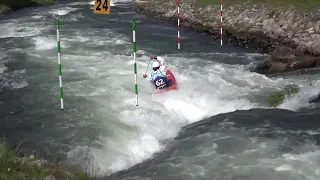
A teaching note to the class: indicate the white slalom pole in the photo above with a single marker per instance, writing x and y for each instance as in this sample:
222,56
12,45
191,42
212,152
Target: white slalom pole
178,24
59,63
221,1
134,58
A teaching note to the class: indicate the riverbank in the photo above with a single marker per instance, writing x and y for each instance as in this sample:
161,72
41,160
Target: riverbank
262,25
14,165
7,6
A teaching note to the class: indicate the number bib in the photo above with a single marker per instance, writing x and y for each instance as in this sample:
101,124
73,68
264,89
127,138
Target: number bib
160,82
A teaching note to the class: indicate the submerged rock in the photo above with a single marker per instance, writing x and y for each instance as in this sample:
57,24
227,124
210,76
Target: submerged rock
315,100
282,54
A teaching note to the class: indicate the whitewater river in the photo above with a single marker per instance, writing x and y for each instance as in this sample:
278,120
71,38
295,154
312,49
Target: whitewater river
167,137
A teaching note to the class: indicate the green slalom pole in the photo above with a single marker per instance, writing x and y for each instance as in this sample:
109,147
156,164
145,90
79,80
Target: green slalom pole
59,63
134,58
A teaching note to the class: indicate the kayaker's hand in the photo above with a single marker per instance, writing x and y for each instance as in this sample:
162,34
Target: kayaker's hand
144,76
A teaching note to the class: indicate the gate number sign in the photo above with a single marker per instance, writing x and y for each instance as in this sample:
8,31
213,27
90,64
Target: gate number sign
101,6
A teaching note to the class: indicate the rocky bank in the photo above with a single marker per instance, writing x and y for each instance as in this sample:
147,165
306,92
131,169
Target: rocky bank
290,37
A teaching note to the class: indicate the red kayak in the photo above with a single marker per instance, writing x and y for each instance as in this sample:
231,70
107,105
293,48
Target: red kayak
173,83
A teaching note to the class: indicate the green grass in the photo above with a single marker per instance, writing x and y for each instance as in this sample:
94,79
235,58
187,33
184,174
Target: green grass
278,97
4,9
300,5
11,168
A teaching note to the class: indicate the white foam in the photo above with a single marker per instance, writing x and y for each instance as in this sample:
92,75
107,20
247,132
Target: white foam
204,91
3,55
44,43
284,167
5,83
21,29
63,11
301,99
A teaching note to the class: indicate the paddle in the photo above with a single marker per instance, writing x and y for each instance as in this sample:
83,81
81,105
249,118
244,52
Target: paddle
148,67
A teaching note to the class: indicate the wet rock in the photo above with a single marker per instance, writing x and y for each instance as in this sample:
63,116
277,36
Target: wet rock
277,67
296,63
315,99
302,62
282,54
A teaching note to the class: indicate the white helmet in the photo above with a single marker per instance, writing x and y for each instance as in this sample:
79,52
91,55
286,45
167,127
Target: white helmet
155,64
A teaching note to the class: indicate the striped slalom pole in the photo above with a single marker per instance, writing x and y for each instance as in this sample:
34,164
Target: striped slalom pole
134,58
221,21
178,24
59,63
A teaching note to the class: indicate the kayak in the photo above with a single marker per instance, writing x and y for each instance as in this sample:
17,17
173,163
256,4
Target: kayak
172,83
172,80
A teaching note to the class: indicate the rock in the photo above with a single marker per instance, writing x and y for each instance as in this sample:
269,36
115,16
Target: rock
300,50
50,177
302,62
254,30
40,163
70,175
315,47
315,99
277,67
282,54
309,25
272,22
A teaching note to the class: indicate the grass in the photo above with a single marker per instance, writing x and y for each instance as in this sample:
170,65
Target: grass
300,5
4,9
13,168
278,97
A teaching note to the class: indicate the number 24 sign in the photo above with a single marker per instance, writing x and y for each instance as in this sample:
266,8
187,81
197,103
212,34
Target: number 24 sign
101,6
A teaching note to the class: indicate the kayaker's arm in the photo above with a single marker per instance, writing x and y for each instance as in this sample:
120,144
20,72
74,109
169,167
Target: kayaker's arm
161,61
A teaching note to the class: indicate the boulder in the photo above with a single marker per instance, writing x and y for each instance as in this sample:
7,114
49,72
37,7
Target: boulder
282,54
315,99
278,67
296,63
315,47
301,62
